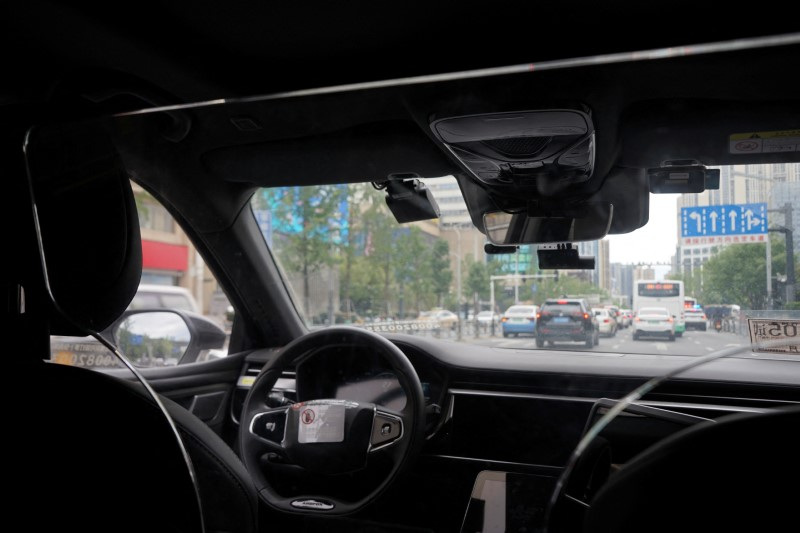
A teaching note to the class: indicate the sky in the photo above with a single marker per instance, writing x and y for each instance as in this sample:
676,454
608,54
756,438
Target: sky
653,243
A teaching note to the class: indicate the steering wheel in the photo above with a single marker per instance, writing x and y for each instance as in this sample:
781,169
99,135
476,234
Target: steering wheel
326,438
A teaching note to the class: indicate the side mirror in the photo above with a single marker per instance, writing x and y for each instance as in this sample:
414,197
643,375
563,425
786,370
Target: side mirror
165,337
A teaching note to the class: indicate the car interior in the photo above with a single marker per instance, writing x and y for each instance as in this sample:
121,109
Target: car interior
554,135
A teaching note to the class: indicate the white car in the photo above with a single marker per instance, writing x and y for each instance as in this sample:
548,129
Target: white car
696,319
627,317
485,318
606,325
653,322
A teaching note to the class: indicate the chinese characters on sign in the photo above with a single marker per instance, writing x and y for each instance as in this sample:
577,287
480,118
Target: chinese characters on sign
781,335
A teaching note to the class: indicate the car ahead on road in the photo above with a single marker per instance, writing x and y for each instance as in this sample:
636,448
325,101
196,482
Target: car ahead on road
653,322
627,317
696,319
566,319
616,314
606,325
519,319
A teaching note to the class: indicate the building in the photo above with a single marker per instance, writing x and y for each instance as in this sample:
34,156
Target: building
643,272
622,282
774,185
169,258
452,208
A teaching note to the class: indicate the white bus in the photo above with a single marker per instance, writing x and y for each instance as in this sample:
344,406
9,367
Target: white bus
668,293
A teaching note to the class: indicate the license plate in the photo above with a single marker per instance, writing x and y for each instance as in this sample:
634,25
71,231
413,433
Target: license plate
654,322
560,320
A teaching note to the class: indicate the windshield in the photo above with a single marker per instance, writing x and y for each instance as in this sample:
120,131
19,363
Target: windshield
348,261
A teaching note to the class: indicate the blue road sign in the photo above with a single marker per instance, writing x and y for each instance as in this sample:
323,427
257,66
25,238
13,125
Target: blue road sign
723,220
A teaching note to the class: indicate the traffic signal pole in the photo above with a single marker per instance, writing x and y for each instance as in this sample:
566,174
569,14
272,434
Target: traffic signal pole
790,278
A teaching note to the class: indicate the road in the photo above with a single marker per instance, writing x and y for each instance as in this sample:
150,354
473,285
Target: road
691,343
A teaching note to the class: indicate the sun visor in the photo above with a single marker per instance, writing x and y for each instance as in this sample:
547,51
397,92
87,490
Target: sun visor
711,133
364,153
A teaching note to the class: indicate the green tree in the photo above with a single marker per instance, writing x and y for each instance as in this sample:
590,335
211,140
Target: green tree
477,283
379,227
311,219
441,275
411,267
737,275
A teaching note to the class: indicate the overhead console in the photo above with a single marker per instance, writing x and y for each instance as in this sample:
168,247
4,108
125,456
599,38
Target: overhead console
528,150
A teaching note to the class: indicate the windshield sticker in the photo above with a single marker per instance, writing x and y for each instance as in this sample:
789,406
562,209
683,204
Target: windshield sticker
321,423
774,331
763,142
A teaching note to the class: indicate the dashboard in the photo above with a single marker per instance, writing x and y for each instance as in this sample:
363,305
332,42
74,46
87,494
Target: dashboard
523,412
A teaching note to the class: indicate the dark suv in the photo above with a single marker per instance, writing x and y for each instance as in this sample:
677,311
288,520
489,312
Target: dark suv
566,319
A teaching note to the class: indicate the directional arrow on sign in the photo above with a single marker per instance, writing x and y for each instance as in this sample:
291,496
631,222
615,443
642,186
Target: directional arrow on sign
733,214
697,218
751,220
713,216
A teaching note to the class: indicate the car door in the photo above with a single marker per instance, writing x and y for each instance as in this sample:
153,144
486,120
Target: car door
203,376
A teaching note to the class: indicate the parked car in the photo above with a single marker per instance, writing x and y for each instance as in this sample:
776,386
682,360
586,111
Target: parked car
519,319
606,325
487,318
654,322
442,318
566,319
150,296
696,319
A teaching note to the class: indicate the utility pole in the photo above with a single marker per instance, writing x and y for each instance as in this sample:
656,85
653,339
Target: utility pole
790,278
516,276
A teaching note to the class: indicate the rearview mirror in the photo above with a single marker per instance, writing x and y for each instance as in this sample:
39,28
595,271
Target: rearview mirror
505,229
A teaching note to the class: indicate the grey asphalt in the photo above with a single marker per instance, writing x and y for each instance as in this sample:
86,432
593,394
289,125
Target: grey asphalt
691,343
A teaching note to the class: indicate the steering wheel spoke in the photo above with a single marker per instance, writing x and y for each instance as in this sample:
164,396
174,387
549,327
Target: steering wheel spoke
269,429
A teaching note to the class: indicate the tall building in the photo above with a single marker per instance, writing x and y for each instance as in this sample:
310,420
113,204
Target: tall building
643,273
453,210
739,184
622,281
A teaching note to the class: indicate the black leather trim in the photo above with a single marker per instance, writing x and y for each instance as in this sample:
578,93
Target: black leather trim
223,511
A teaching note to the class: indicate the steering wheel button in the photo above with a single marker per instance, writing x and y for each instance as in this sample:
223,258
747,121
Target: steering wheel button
270,426
385,429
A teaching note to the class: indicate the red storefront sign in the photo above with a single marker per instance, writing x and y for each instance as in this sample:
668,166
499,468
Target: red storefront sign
164,256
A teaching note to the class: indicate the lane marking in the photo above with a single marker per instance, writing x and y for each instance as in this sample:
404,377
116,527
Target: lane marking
697,342
733,344
615,347
661,346
709,348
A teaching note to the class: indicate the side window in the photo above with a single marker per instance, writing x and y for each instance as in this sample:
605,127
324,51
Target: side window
178,296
